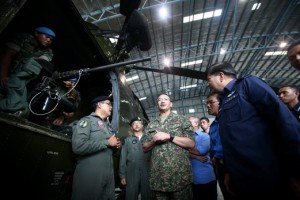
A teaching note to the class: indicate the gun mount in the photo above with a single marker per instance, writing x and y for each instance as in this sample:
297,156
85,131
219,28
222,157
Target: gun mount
48,94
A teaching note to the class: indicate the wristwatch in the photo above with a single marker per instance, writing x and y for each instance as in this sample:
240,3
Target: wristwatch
171,138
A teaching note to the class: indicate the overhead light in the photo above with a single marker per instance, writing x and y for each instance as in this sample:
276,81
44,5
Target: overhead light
132,78
256,6
167,62
191,110
143,98
282,44
275,53
204,15
163,13
174,111
188,86
223,51
191,63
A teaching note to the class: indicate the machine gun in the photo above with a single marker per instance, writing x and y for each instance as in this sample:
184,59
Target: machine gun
49,94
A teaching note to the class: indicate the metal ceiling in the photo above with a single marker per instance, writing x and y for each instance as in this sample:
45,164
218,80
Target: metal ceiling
245,34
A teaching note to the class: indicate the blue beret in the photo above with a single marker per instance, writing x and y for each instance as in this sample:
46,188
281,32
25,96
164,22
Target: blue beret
46,31
100,98
72,79
136,119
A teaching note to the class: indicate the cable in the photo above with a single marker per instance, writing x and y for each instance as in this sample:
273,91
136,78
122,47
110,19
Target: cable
47,89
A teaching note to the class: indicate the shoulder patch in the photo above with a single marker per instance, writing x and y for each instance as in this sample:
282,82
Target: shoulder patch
83,124
134,141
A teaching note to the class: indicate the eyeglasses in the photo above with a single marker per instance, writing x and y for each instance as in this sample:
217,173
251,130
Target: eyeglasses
108,103
211,102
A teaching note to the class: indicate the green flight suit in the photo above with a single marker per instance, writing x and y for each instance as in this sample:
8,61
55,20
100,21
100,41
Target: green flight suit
135,168
94,174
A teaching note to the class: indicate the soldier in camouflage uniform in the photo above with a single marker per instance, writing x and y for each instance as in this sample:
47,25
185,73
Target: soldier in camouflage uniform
134,167
19,64
169,137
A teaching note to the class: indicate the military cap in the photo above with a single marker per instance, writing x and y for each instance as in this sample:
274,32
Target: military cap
46,31
100,98
136,119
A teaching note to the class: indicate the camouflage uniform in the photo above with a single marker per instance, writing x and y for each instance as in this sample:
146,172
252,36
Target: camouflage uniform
135,168
23,69
170,165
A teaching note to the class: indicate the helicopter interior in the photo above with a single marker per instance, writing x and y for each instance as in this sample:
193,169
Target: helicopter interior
79,46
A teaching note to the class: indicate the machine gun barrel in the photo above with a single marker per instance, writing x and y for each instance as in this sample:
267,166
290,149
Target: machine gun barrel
101,68
86,71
